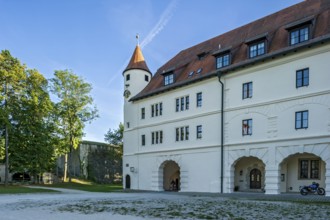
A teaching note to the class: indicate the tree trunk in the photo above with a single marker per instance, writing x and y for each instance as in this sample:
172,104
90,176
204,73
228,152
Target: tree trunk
65,167
70,164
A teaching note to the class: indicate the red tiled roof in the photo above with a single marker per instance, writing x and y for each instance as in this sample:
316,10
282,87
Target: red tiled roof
137,61
273,27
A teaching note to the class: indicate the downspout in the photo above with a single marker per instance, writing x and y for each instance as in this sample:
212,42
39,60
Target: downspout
222,132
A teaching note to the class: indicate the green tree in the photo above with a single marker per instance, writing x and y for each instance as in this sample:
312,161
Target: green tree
11,78
115,152
115,137
32,136
74,109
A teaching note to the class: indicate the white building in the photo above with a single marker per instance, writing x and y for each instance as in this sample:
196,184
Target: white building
248,110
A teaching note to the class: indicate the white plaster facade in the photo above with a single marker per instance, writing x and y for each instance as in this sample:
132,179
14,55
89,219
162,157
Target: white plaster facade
274,149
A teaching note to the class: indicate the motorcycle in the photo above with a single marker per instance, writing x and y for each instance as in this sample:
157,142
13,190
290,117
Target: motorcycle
313,188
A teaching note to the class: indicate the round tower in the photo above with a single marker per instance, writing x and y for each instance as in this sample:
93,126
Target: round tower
136,75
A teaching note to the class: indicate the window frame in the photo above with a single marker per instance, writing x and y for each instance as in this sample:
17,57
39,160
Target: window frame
304,78
299,29
199,132
143,139
257,50
301,119
247,131
182,133
248,93
199,99
222,62
143,113
308,172
168,79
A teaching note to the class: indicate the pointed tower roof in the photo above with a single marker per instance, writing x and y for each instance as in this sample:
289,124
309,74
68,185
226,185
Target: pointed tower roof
137,61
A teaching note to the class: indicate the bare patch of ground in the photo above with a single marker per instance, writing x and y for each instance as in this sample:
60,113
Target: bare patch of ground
83,205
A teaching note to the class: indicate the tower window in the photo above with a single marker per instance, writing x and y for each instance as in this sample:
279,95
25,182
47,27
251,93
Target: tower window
146,78
128,77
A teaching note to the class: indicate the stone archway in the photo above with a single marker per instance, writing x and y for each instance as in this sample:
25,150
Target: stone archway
318,151
301,169
249,174
171,176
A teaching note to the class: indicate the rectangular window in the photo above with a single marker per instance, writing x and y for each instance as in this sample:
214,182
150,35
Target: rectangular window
182,103
152,137
299,35
157,137
257,49
222,61
146,78
303,169
247,127
143,113
309,169
199,132
199,99
302,77
182,133
177,105
247,90
315,169
187,102
156,109
143,140
187,132
168,79
161,137
128,77
302,119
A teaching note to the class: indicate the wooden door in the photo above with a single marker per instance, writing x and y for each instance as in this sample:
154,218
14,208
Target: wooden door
255,179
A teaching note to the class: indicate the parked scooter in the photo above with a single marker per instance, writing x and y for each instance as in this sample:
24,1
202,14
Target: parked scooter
314,188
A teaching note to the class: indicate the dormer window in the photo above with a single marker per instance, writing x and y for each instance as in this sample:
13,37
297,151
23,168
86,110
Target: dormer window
257,49
257,45
168,79
222,60
300,31
299,35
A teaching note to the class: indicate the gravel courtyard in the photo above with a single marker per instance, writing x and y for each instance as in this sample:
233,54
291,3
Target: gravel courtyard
73,204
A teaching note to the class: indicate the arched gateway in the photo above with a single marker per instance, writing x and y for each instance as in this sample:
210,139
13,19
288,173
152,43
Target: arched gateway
170,175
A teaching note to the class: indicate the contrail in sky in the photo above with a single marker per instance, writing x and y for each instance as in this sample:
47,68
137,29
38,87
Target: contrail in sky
165,17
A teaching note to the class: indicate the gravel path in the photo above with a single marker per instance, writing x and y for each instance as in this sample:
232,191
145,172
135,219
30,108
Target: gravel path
74,204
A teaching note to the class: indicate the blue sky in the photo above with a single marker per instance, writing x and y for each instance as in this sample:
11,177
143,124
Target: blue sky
96,38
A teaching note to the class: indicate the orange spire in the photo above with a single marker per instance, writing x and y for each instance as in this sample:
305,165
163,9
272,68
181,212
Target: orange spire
137,61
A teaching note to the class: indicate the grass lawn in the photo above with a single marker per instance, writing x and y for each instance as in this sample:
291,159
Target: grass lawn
21,189
87,186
